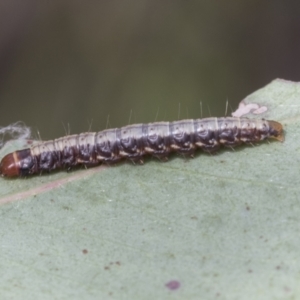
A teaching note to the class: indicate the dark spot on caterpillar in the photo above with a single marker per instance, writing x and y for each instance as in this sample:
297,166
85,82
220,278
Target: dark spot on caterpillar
84,251
133,142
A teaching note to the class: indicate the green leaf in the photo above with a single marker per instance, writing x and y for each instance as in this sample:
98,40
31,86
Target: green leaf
218,226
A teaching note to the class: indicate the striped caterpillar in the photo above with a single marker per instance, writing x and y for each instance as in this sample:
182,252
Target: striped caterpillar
135,141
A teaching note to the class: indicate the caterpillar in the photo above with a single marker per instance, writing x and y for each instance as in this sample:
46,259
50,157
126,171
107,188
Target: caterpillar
133,142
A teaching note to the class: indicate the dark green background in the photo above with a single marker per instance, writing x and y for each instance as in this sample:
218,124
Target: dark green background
76,62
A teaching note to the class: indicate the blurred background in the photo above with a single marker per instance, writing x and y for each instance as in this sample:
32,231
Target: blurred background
79,62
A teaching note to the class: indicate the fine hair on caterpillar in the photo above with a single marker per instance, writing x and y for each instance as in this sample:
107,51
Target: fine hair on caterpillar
135,141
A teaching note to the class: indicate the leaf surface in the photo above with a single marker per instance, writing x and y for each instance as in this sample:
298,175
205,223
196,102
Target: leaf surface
224,225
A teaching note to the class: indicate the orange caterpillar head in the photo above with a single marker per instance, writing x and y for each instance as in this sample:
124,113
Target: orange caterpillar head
18,163
9,166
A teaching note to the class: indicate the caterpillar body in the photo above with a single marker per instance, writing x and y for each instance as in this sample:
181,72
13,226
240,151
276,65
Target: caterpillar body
133,142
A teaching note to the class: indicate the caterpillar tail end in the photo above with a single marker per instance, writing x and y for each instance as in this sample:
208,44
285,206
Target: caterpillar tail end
276,131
